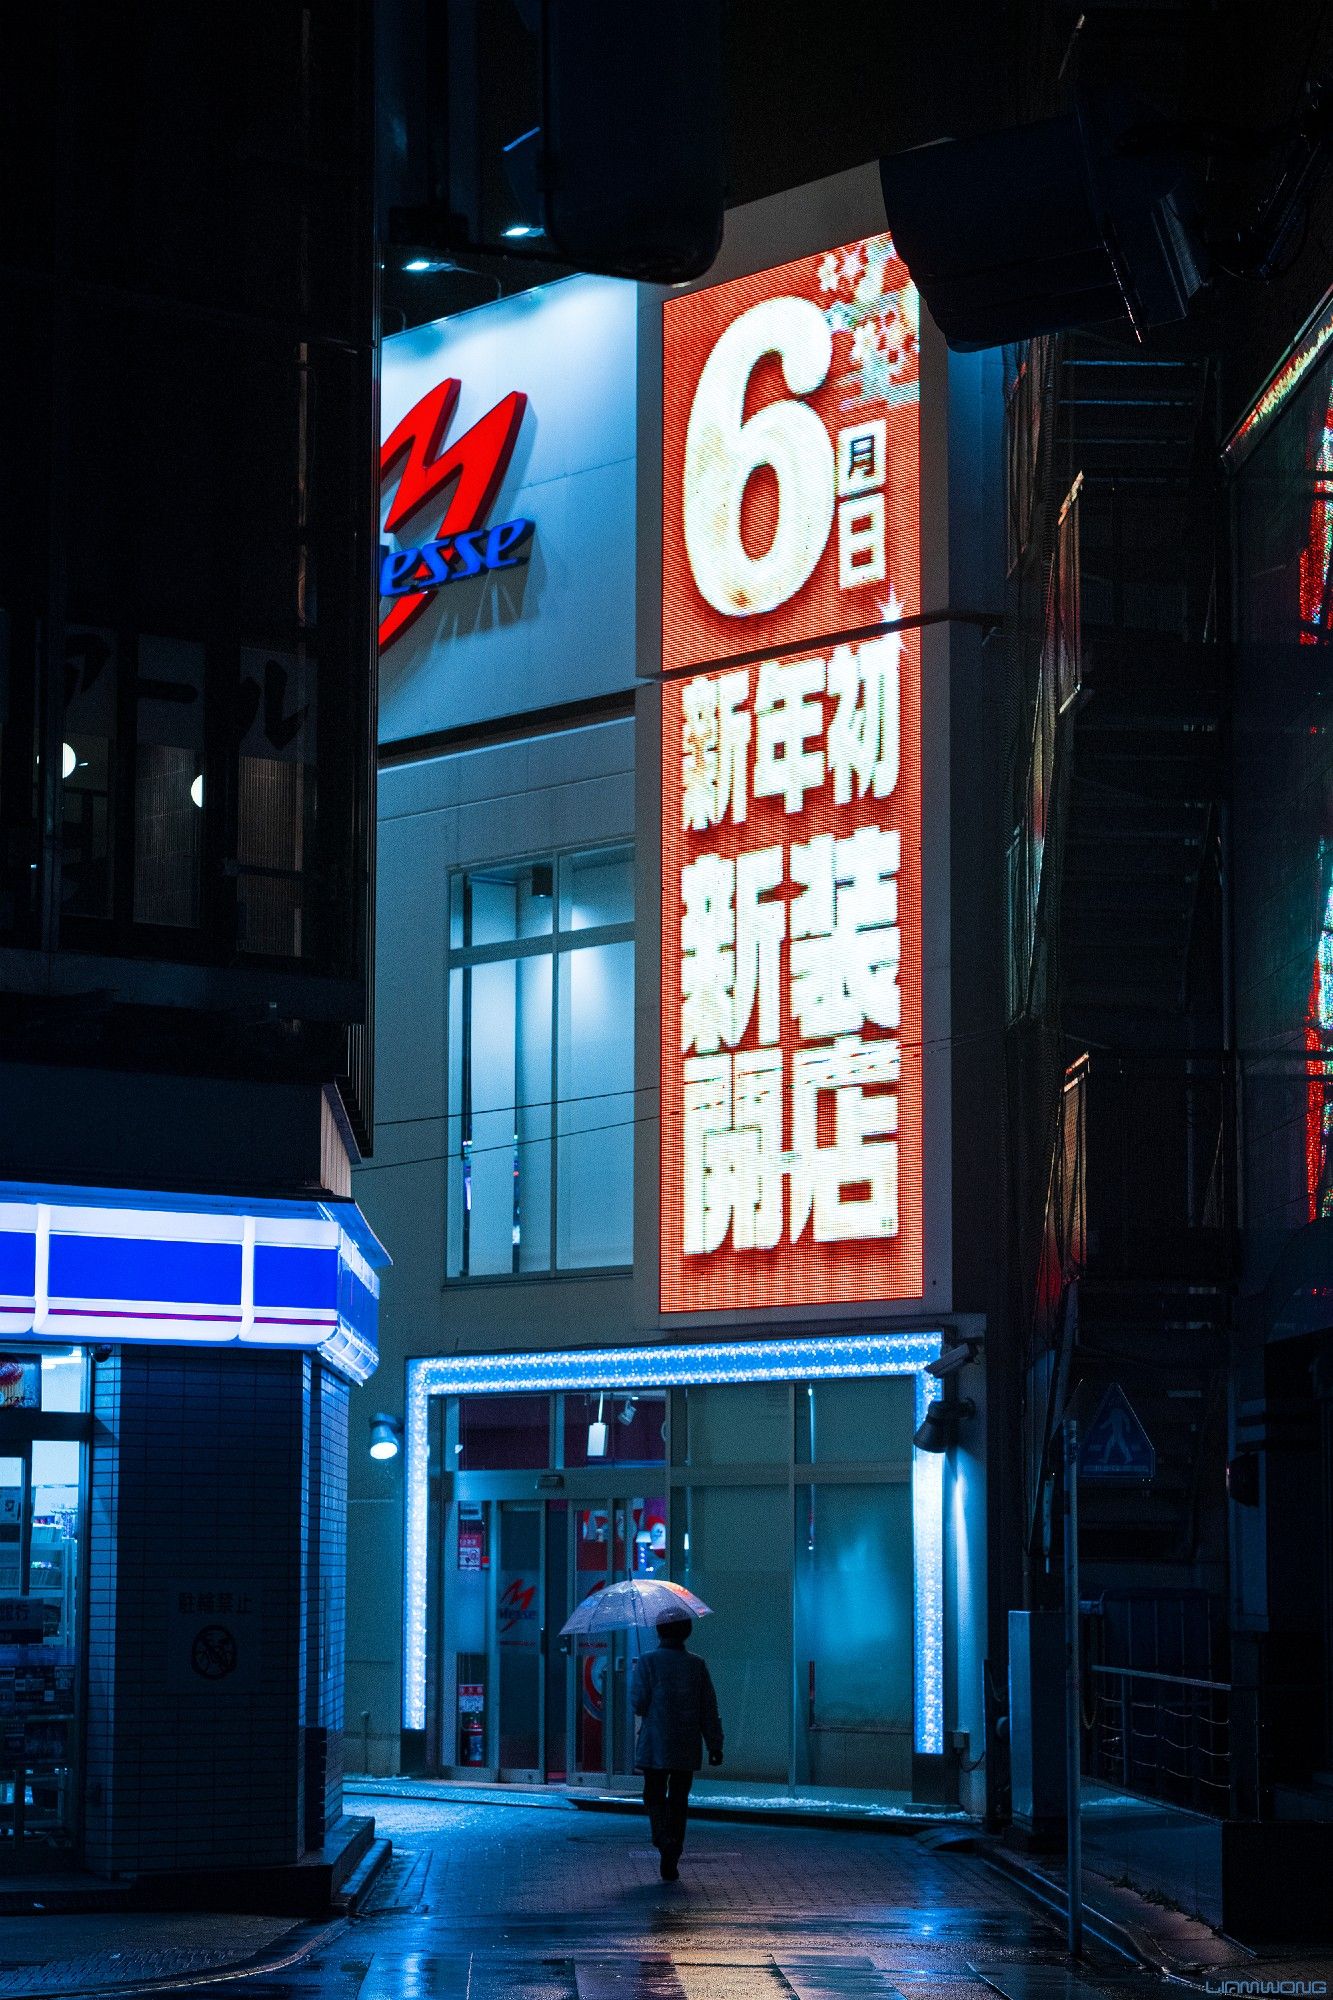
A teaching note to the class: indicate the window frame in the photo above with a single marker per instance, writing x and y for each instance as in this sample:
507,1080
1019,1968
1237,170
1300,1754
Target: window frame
551,945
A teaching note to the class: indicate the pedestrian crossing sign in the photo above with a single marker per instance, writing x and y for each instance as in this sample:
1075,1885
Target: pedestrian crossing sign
1116,1449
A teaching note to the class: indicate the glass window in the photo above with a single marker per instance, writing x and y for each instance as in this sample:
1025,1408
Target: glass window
597,889
541,1067
275,815
502,904
40,1579
864,1420
733,1423
503,1433
500,1154
739,1560
168,782
596,1106
88,751
853,1637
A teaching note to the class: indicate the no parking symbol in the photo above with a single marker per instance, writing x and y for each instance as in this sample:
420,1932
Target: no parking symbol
214,1638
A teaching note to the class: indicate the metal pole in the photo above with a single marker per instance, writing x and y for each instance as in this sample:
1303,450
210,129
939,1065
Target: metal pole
1073,1694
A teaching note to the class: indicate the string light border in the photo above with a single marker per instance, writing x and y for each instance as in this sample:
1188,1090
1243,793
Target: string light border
658,1367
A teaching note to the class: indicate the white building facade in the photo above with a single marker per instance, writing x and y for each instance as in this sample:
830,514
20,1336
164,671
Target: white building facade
687,1038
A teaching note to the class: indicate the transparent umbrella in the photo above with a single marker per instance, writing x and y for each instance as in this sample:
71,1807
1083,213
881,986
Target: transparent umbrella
635,1606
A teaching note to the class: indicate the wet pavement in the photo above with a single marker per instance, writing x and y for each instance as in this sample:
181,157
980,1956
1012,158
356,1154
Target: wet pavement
485,1901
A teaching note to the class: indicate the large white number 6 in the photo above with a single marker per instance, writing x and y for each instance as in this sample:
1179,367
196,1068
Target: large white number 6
722,454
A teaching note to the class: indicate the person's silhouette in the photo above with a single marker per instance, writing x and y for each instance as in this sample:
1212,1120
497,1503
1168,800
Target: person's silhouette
672,1691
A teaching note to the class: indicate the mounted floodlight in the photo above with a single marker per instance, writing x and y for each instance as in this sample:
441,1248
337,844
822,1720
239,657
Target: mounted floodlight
386,1437
628,1410
939,1427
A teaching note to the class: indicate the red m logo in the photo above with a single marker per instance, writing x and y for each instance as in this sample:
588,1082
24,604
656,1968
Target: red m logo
475,462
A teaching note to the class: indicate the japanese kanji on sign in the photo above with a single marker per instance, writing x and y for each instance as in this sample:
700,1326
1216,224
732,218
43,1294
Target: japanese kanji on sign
791,790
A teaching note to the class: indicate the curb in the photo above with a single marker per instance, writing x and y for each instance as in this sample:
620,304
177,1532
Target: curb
757,1813
189,1982
780,1816
352,1896
1107,1930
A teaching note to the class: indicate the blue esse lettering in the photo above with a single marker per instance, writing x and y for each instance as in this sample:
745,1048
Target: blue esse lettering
396,567
466,545
507,535
435,555
408,572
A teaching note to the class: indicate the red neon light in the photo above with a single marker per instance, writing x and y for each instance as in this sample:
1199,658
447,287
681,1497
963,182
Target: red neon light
477,461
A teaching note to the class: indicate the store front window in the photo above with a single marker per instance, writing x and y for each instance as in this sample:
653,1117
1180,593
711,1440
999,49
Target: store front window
43,1398
541,1065
787,1506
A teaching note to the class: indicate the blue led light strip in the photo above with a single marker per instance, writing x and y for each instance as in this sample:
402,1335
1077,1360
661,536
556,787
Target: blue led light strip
615,1368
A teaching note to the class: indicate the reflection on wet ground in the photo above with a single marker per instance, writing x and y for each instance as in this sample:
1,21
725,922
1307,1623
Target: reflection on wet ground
510,1903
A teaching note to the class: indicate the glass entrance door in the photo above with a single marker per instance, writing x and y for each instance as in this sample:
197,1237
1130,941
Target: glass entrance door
518,1702
614,1539
520,1630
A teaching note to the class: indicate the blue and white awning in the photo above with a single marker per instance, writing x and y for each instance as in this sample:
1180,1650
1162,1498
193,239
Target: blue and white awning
97,1264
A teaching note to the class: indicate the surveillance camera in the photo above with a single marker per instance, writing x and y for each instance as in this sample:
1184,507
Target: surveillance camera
953,1358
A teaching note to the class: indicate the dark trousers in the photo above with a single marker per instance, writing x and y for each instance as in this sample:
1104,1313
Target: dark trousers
667,1797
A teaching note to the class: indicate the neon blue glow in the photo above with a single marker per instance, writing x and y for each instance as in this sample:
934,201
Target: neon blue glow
91,1264
616,1368
928,1584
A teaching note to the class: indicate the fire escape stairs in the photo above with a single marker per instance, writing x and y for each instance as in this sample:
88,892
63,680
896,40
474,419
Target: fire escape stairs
1146,1301
1143,741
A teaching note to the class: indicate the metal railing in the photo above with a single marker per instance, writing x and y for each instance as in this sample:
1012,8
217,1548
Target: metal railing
1162,1736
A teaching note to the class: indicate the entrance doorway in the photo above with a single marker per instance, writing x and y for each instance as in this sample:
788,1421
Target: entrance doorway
798,1510
519,1703
42,1448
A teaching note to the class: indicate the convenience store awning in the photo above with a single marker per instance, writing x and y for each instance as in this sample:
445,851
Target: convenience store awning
106,1265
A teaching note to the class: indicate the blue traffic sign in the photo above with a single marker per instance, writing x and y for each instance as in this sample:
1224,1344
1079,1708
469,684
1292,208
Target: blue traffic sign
1116,1449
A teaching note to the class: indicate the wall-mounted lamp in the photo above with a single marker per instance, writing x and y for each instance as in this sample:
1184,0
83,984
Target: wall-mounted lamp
939,1426
386,1436
628,1410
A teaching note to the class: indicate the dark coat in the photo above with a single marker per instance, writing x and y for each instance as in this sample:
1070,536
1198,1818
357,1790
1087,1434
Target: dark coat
673,1691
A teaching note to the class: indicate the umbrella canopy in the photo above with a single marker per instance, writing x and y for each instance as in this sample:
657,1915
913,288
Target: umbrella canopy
637,1604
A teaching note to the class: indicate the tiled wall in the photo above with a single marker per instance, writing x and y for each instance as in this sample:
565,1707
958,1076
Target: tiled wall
218,1478
327,1598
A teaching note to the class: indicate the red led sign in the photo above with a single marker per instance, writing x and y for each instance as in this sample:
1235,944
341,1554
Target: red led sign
791,790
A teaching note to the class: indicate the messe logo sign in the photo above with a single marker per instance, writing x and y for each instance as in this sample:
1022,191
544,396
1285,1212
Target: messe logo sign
471,468
791,791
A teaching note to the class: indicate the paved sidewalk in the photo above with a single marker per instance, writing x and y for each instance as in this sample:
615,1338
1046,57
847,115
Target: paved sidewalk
538,1900
487,1900
88,1952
